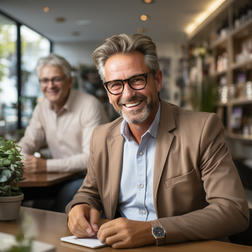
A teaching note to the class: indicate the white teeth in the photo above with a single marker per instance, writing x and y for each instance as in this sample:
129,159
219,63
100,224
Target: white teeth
132,104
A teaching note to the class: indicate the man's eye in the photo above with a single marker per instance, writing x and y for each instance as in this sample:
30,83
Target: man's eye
136,80
44,80
57,79
115,84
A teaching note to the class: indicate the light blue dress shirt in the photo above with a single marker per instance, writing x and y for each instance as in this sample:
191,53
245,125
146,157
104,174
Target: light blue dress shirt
136,189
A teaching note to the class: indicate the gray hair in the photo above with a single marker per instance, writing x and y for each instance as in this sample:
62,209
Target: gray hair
54,60
124,44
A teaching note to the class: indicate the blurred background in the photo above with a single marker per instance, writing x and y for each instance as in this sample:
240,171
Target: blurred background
204,49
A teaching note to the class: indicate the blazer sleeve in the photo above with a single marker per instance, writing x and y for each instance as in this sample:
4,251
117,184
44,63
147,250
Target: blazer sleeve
227,211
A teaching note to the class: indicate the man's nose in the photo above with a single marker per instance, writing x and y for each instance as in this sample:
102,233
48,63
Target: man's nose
128,91
50,84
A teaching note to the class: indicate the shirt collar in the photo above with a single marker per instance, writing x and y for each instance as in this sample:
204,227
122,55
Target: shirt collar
67,105
153,129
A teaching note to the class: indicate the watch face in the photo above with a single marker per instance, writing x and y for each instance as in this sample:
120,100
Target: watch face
158,232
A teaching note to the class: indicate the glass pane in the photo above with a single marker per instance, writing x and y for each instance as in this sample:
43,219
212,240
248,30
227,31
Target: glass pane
34,46
8,77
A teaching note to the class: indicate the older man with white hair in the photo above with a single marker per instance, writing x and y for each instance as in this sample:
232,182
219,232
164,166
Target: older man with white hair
64,120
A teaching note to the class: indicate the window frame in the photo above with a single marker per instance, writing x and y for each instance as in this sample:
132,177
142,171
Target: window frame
18,64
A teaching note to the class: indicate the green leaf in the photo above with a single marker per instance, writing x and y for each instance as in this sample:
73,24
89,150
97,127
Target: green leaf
19,164
11,157
5,188
12,167
15,188
6,173
3,178
6,162
8,152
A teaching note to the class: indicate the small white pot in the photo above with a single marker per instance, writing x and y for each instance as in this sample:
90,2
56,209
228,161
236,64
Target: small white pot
9,207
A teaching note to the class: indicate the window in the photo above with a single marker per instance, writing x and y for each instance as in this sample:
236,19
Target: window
8,76
34,46
20,49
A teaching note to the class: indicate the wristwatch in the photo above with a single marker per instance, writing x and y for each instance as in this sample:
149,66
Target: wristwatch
159,233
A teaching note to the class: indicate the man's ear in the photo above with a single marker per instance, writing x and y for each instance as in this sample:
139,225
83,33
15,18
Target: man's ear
158,79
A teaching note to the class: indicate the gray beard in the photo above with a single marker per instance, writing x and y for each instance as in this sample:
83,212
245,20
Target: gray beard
144,116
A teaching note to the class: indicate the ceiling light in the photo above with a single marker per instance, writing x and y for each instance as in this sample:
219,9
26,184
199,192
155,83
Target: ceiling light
141,30
46,9
148,1
83,22
60,20
144,17
191,27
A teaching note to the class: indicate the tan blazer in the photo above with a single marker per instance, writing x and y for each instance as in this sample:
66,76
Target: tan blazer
197,192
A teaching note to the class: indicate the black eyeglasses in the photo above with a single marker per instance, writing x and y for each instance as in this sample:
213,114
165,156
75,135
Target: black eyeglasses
57,80
136,82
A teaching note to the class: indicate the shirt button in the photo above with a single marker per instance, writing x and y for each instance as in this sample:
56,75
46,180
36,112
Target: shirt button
141,186
141,153
143,212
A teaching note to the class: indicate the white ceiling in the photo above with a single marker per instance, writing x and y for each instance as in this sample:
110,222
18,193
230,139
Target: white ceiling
168,18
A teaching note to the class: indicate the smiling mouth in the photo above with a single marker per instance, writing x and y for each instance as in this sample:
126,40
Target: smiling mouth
132,104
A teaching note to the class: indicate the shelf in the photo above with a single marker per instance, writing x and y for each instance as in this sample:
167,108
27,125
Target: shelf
241,64
216,74
219,42
240,101
221,104
240,31
235,44
239,137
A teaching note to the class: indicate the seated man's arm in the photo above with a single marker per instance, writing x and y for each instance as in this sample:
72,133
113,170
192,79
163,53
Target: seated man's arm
34,137
31,142
227,212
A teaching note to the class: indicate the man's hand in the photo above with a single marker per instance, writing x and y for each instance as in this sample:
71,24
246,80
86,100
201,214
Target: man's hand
34,164
124,233
83,221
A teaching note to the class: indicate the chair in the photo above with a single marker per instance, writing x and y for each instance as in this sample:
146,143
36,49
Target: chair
244,238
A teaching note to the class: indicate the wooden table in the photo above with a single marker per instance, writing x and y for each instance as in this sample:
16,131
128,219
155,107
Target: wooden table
51,226
46,178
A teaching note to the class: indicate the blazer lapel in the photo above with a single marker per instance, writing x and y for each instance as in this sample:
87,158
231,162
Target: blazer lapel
164,141
115,153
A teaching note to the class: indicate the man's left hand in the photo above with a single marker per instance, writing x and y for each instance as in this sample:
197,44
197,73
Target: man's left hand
34,164
124,233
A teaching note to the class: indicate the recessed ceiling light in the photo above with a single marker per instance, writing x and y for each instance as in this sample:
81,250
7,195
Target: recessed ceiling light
83,22
148,1
46,9
76,33
60,20
141,30
144,17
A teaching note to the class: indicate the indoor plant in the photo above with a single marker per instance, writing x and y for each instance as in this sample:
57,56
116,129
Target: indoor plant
11,172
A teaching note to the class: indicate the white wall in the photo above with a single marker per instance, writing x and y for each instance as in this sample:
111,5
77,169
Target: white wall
81,53
76,53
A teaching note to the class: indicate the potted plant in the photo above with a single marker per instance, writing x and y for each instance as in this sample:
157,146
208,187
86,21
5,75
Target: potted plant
11,172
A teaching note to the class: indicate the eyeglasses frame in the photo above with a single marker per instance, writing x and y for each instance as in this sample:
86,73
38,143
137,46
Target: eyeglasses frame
127,80
52,80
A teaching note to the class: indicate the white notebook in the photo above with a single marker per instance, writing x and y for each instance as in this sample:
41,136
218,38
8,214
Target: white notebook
7,241
86,242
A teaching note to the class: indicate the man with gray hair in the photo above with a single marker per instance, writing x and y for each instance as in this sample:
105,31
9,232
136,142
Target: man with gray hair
166,171
65,120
